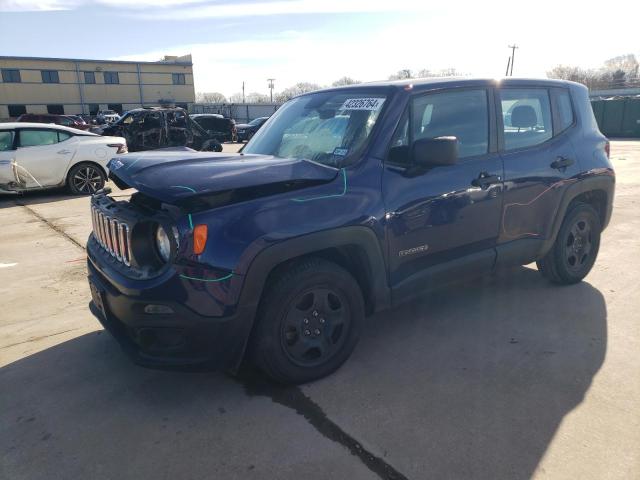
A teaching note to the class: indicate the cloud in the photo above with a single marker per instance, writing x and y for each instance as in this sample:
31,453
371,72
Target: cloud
53,5
37,5
291,7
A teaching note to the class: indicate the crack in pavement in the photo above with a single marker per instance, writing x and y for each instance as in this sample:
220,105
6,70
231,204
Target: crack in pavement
294,398
35,339
51,225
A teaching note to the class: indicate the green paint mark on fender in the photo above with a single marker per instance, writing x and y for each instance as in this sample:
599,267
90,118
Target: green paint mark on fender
344,191
221,279
182,186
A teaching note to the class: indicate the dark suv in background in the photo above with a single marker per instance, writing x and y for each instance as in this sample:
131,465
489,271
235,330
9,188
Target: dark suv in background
350,201
248,130
219,127
159,127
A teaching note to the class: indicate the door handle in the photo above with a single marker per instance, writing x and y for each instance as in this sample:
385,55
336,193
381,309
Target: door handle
561,162
63,152
484,180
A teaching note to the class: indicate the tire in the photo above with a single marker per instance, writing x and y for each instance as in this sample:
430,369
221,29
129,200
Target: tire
575,250
85,179
308,322
212,145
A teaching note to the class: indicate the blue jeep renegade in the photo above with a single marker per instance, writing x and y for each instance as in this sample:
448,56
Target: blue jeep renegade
348,201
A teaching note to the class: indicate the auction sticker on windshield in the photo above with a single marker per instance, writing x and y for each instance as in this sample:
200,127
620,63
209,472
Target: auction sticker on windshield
370,104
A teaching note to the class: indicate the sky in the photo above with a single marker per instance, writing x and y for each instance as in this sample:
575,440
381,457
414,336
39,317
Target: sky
320,41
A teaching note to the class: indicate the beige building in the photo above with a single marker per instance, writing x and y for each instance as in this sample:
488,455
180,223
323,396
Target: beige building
74,86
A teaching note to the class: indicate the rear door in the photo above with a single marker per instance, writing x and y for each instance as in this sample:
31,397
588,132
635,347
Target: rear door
535,126
43,155
445,218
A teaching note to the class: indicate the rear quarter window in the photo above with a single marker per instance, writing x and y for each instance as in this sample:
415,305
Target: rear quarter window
565,110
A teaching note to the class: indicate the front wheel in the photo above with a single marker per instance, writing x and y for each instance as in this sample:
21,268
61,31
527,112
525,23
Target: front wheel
575,250
308,322
85,179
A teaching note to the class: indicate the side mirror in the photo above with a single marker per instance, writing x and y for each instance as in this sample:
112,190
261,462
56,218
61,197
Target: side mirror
432,152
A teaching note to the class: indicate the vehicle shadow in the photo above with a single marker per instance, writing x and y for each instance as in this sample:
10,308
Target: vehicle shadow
35,197
469,382
473,380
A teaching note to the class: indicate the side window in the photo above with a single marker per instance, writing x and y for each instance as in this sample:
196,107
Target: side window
62,136
463,114
526,115
565,112
35,138
6,140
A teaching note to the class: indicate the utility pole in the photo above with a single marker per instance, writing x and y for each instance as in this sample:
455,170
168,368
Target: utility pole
271,80
506,74
243,92
513,57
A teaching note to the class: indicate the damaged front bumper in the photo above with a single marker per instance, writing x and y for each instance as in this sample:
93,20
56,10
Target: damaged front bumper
164,333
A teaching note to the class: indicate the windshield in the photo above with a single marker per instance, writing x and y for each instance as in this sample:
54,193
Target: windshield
325,127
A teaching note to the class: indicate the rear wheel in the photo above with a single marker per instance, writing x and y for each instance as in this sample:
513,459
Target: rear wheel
85,179
576,247
308,322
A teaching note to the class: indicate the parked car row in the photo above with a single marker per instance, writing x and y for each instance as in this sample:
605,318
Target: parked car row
47,150
35,156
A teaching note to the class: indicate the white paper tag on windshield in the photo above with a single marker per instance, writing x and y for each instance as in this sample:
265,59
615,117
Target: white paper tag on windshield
371,104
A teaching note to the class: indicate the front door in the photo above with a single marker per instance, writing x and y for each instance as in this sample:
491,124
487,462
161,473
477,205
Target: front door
43,155
444,218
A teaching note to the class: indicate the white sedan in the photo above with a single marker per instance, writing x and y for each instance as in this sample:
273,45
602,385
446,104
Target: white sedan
38,155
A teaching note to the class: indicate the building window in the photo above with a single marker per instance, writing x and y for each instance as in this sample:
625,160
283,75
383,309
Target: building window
116,107
55,109
17,110
89,77
50,76
11,75
111,78
94,108
178,78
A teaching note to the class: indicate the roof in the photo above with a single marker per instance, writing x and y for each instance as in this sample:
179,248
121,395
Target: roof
435,82
56,59
12,125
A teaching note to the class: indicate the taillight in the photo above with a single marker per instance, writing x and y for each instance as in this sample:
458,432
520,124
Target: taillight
607,149
121,148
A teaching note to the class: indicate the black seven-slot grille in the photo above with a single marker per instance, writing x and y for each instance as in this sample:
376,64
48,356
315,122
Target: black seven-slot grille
112,235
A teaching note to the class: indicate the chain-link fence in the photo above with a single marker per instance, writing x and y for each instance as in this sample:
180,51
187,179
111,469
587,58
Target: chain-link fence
240,112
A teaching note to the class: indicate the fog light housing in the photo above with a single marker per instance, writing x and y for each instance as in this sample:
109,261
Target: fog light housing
154,309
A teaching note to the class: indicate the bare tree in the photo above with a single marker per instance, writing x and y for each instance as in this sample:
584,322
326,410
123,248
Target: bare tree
445,72
236,98
297,89
255,97
402,75
210,97
341,82
617,72
628,64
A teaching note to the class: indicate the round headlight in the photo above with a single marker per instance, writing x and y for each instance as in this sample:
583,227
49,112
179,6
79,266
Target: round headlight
163,244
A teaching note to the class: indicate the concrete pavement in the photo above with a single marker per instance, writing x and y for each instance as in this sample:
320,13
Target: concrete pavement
506,377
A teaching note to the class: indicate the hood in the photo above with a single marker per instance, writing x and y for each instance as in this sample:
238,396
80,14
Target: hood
180,177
